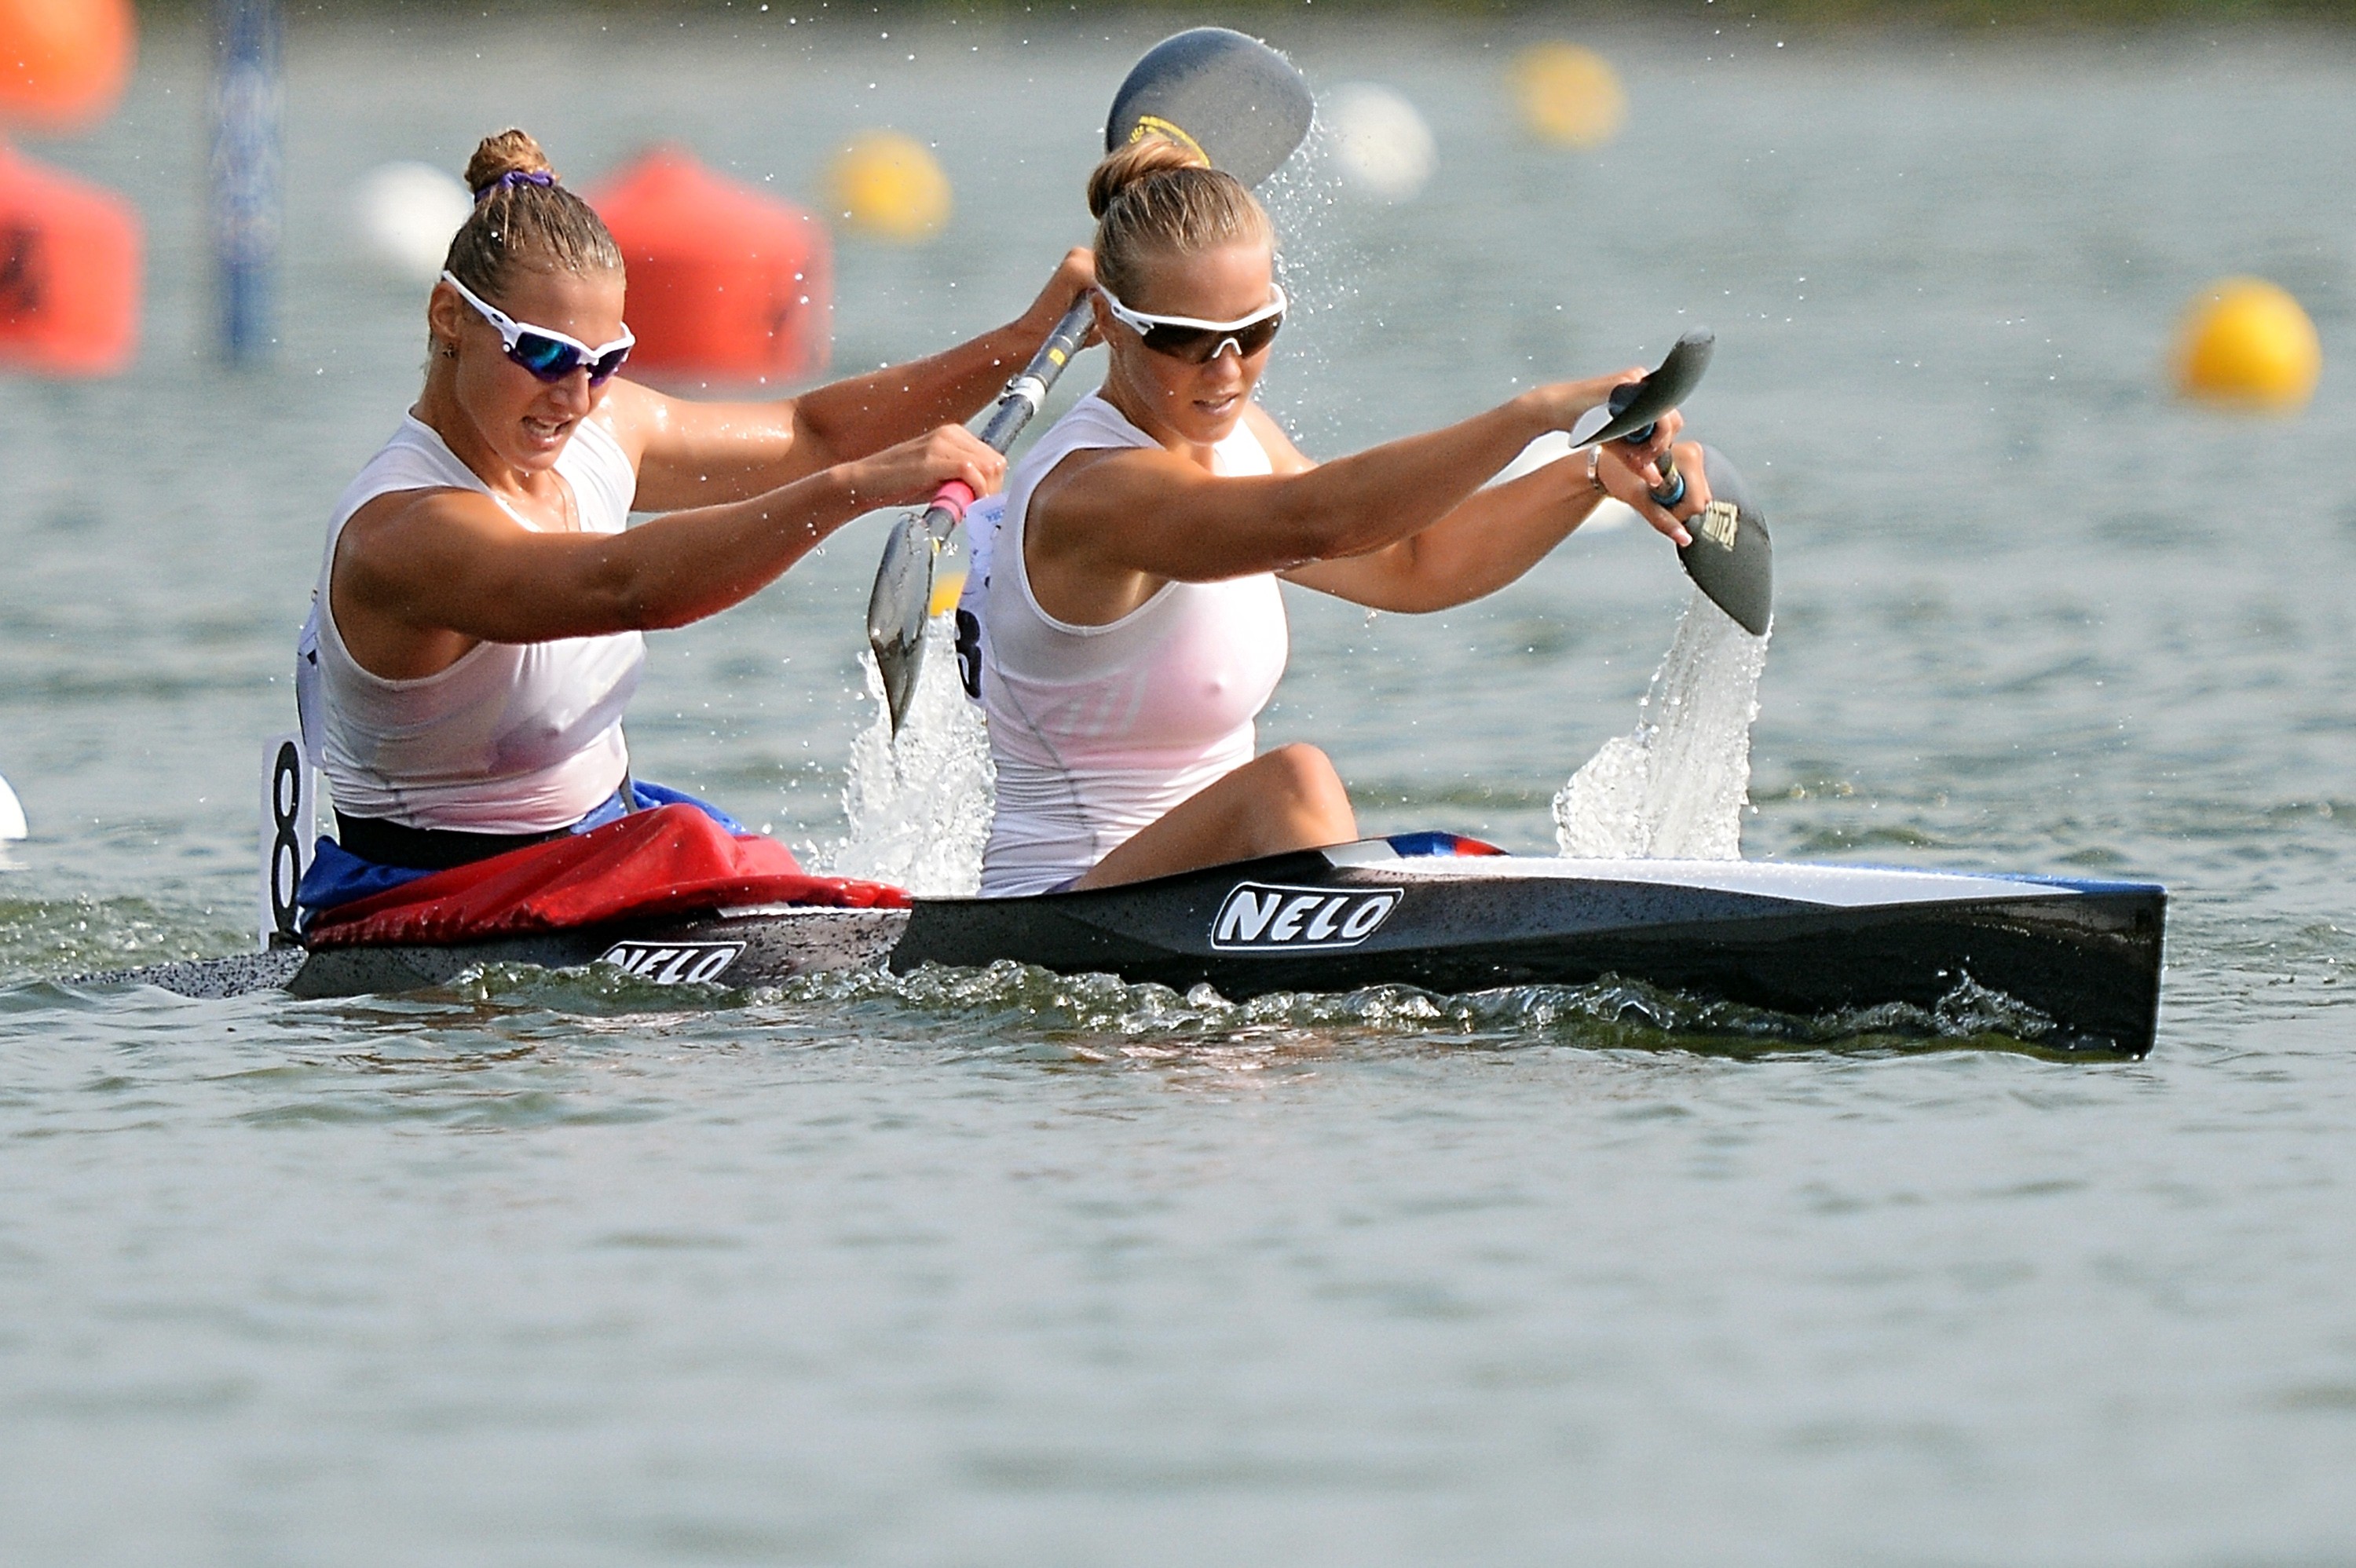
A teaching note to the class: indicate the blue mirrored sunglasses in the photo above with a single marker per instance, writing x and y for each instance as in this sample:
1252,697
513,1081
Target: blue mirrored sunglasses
551,356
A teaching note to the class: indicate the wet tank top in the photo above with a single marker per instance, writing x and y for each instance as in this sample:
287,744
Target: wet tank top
513,738
1098,730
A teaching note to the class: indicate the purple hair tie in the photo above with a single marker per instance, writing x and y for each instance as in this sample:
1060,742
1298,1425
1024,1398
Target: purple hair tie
511,179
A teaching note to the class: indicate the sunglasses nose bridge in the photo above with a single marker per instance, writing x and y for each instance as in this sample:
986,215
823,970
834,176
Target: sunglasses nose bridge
573,391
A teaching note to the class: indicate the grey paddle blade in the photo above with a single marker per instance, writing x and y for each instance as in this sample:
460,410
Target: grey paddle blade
1231,97
897,607
1641,403
1731,558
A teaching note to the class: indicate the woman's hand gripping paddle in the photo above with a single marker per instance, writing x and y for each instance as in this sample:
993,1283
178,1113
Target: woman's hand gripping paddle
902,600
1232,99
1731,558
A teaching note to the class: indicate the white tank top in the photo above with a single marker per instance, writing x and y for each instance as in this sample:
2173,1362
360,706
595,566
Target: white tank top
1098,730
513,738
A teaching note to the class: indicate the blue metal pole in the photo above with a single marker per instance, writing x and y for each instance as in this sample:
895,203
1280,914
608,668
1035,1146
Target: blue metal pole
248,92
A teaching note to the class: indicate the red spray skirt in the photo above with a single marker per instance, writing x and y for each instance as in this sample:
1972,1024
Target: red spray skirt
672,860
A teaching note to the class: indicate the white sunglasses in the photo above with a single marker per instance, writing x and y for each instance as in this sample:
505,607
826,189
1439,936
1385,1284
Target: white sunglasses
549,354
1200,342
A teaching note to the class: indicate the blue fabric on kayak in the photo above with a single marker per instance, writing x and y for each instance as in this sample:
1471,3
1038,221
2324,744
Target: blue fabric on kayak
1411,845
646,797
337,877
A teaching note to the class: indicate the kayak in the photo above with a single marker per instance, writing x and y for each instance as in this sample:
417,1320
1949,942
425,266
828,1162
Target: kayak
2078,960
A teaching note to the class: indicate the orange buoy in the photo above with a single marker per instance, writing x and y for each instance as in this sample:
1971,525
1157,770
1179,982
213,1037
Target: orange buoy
727,283
63,63
69,272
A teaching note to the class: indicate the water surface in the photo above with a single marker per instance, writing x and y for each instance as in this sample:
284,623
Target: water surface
995,1268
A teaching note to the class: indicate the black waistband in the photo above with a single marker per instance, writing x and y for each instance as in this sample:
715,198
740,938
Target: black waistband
428,849
439,849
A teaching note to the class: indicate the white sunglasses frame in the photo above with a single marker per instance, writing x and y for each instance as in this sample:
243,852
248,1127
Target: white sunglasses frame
511,331
1140,321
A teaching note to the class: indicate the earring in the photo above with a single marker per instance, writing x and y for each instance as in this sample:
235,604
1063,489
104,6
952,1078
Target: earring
449,351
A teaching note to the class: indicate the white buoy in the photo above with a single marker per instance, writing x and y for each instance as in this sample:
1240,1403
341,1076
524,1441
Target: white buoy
404,214
12,815
1553,447
1381,145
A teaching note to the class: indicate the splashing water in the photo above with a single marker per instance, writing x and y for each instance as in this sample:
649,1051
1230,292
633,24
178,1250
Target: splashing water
1675,789
920,803
1316,268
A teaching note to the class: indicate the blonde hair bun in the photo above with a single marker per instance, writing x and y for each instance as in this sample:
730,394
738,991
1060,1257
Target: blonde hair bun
511,152
1158,197
523,217
1148,155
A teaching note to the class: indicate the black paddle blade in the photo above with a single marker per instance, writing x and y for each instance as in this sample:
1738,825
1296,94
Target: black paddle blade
897,607
1641,403
1731,558
1231,97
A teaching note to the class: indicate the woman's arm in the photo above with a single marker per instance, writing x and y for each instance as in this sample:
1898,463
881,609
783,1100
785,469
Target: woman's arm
1153,513
420,574
691,454
1499,534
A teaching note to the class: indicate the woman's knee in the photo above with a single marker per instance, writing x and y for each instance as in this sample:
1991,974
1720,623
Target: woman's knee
1306,778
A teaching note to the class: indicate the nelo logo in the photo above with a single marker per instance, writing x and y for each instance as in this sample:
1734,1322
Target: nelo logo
1719,520
1257,917
673,963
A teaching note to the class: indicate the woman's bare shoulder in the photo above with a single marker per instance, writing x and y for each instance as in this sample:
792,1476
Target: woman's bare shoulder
388,521
1283,455
632,415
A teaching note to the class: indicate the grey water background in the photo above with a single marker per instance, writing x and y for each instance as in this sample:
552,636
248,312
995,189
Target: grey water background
995,1268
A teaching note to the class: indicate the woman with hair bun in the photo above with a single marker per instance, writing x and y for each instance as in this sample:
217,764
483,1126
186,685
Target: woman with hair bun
476,634
1130,624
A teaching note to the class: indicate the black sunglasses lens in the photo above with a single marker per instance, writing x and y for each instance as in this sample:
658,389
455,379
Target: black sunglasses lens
602,371
1180,342
1198,344
1257,335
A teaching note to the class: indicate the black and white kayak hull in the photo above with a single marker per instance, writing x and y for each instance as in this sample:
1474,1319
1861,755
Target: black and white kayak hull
1795,938
1806,939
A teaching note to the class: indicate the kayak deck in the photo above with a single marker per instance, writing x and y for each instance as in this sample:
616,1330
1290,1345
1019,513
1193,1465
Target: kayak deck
1803,939
1791,938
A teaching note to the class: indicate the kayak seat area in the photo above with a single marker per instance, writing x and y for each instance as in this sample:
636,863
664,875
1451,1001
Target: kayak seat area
672,860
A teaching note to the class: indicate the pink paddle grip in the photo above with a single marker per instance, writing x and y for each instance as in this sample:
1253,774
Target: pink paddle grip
954,496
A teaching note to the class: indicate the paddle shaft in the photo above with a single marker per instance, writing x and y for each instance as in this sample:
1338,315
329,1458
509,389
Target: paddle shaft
1016,408
1673,483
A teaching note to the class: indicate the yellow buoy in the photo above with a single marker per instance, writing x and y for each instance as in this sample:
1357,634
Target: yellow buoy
1567,95
2246,342
887,185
